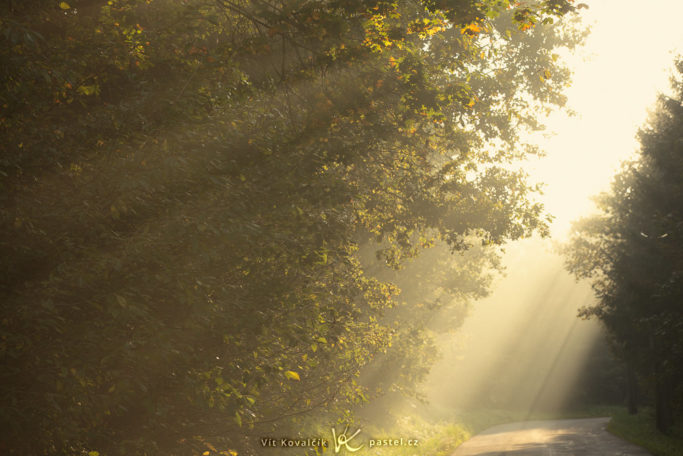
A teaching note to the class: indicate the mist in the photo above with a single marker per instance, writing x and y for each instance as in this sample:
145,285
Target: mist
522,347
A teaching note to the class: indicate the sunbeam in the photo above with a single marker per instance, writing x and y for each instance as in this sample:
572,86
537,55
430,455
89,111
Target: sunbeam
523,346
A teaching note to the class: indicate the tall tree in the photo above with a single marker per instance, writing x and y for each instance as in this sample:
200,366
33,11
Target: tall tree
185,186
633,253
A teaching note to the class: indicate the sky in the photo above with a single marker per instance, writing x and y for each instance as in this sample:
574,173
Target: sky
625,62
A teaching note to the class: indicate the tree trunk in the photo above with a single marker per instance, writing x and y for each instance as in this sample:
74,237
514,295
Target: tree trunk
663,399
632,388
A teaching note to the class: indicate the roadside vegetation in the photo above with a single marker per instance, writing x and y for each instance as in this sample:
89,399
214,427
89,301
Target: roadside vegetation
641,429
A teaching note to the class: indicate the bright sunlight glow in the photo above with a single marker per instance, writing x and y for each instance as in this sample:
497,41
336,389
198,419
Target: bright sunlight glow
626,61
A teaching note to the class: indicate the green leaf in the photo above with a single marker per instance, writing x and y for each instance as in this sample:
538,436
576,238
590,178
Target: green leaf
89,89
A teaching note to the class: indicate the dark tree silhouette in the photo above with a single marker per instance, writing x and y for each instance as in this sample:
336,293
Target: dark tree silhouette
633,253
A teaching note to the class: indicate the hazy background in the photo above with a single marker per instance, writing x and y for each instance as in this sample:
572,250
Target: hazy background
523,346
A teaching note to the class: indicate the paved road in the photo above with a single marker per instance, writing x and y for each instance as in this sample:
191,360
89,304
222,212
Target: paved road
584,437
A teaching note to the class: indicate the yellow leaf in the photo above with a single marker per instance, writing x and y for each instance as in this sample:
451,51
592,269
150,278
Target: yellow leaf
292,375
65,6
206,453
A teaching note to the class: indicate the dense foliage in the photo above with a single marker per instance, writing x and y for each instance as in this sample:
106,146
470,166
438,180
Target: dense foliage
632,251
186,184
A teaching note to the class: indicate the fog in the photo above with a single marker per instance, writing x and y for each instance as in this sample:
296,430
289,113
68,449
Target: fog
519,353
522,347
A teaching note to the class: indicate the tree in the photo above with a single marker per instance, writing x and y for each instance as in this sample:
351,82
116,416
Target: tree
185,186
632,252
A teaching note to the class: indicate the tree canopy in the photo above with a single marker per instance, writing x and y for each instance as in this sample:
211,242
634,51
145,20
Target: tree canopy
186,186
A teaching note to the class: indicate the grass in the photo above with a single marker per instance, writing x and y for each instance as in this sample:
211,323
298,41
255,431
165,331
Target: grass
640,429
435,438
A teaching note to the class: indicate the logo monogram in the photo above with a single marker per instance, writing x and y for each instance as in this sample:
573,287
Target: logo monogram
343,441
